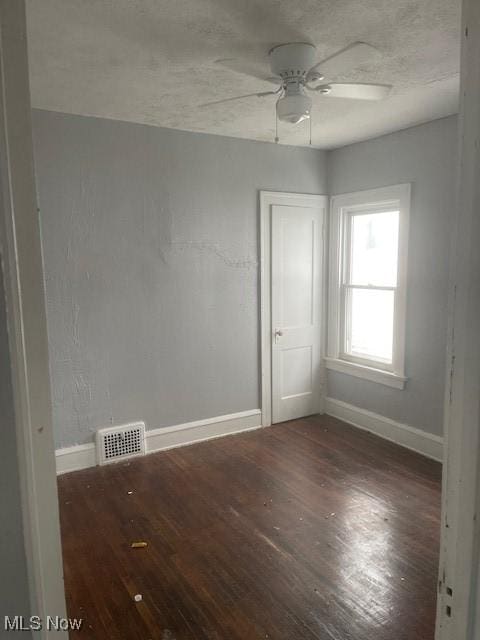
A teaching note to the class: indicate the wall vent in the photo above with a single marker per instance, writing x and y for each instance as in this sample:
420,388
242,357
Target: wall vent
119,443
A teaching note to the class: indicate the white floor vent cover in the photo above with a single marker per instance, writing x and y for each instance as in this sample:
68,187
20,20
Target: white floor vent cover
118,443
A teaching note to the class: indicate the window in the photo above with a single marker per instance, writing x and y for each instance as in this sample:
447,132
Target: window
368,251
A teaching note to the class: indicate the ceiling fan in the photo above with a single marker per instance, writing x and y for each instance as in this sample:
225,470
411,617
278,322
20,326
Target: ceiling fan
296,73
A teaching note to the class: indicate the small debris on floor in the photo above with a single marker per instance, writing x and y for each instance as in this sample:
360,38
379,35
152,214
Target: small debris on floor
402,579
332,514
129,493
300,518
277,528
138,597
139,545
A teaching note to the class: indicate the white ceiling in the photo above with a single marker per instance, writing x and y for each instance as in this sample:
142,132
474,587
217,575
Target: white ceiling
153,62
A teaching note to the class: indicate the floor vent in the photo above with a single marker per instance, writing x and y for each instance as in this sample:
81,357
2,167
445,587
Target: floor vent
118,443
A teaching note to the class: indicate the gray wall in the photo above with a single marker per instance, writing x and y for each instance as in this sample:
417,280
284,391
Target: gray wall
14,596
151,259
424,156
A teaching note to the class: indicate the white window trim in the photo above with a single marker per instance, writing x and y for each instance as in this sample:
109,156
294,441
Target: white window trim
395,195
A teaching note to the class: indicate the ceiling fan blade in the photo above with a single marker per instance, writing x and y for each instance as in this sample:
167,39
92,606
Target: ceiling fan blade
348,58
262,94
354,91
248,68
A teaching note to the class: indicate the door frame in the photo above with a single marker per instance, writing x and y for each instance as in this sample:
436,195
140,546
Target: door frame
458,602
20,241
267,199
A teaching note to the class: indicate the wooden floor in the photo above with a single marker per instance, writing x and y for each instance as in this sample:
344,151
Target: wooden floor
307,530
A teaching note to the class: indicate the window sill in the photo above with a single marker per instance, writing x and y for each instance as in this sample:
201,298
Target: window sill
367,373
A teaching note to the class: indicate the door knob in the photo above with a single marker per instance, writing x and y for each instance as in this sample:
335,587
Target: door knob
278,333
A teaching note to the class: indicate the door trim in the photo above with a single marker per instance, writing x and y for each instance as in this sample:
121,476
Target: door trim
267,199
26,325
458,603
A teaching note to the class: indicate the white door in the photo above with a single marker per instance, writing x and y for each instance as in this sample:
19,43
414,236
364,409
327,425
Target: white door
296,286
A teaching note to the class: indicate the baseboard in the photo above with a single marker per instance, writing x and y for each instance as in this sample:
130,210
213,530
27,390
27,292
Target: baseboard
80,456
190,432
420,441
84,456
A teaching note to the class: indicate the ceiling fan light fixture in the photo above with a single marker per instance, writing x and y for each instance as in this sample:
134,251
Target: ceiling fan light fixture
294,108
295,72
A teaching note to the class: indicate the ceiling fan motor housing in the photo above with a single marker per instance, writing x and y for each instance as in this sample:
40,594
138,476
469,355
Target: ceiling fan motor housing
292,60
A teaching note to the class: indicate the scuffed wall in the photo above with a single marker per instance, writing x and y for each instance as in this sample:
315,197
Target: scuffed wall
151,251
426,157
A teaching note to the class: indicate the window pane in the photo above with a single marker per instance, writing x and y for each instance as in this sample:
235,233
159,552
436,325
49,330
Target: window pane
374,247
370,323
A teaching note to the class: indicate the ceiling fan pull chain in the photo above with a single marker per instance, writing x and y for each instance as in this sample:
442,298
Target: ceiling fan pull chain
276,128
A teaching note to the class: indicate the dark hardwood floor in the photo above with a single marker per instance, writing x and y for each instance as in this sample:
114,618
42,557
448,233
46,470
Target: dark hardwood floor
307,530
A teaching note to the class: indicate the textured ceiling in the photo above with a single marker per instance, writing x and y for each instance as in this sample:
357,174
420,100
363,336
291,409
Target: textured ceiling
153,62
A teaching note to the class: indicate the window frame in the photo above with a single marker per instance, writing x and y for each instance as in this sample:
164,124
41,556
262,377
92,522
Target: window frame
342,209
